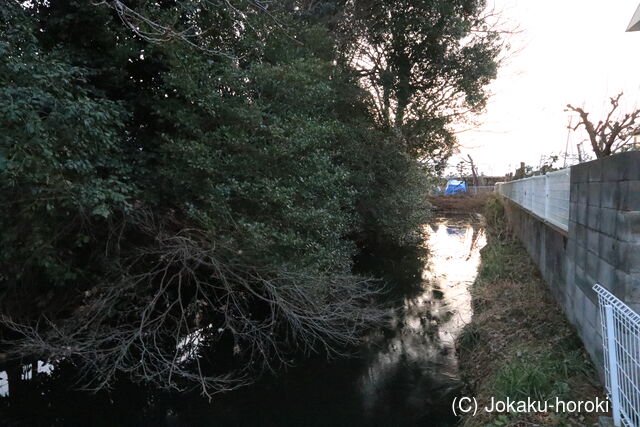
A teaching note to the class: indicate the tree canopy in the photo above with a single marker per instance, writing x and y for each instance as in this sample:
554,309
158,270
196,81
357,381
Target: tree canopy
184,185
426,63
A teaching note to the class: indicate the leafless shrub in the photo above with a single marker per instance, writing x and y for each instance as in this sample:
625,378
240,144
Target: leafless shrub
185,303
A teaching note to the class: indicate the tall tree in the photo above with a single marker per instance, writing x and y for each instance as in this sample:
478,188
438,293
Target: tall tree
427,63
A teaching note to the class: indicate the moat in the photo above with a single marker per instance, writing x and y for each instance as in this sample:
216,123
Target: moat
405,375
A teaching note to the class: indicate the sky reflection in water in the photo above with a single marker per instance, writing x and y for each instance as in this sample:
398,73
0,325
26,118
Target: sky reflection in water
418,361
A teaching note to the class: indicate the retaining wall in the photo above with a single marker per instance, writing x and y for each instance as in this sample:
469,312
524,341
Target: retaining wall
602,244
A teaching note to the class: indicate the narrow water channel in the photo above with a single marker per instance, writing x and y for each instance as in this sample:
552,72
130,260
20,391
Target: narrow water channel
406,375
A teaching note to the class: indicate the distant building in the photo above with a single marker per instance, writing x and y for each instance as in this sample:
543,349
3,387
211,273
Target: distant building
636,140
634,25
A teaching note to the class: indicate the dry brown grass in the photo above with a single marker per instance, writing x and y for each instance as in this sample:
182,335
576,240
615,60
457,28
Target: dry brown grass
519,342
459,203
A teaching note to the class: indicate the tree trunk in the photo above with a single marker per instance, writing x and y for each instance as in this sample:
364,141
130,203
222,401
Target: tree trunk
474,173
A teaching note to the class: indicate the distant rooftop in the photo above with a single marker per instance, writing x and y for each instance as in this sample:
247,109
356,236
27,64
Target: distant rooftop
634,25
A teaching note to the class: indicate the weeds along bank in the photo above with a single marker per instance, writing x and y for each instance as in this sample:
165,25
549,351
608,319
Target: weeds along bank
518,344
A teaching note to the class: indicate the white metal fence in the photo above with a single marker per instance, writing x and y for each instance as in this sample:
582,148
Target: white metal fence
547,196
621,343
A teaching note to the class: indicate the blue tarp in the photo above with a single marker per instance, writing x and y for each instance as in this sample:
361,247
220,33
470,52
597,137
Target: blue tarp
456,230
454,187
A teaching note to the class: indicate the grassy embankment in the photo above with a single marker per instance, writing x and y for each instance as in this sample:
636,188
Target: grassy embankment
519,344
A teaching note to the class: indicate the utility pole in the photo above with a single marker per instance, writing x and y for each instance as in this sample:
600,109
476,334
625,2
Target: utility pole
579,147
566,146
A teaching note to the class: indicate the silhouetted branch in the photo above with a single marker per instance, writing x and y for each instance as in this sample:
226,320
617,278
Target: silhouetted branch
610,135
187,303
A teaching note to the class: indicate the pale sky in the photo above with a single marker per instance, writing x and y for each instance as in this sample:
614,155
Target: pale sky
570,51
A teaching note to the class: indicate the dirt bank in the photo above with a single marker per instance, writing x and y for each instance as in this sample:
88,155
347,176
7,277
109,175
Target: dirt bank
518,343
459,203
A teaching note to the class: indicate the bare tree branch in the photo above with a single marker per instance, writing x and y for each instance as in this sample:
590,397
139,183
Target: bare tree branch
190,313
610,135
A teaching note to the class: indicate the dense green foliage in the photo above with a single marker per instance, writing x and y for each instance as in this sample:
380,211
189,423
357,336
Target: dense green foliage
213,168
60,158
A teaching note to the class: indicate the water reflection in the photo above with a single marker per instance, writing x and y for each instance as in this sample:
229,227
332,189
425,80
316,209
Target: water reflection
415,369
405,375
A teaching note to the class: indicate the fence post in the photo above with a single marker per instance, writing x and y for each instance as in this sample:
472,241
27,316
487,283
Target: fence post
546,197
613,364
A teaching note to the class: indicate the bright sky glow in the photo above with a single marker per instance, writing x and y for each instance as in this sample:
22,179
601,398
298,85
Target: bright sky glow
570,51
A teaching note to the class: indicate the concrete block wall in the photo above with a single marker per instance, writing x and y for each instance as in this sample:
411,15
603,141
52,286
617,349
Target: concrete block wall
545,244
601,246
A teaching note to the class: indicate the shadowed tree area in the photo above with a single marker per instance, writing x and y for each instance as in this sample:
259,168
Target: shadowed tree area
184,185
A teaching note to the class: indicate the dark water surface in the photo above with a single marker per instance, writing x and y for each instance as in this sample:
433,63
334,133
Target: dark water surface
406,375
